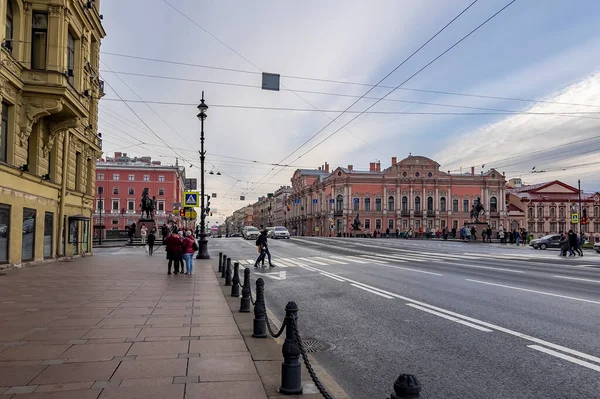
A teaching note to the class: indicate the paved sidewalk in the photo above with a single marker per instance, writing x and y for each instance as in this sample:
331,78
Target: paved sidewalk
117,326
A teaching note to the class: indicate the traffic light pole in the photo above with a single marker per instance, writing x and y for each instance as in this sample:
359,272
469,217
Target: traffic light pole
580,210
203,243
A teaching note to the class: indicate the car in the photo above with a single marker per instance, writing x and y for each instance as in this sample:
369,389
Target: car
269,231
549,241
597,247
235,235
250,233
280,232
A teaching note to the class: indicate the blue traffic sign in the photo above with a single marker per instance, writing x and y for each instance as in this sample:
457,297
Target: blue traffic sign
190,199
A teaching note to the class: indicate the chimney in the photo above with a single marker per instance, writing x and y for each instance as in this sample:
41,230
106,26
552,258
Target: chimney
372,167
350,168
394,161
378,167
326,167
472,170
319,168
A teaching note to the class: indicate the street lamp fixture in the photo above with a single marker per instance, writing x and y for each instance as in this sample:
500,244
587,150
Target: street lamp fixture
203,243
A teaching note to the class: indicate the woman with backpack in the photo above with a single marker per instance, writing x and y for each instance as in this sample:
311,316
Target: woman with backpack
189,247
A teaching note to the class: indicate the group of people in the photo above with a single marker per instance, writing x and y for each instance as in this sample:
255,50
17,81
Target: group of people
180,247
572,243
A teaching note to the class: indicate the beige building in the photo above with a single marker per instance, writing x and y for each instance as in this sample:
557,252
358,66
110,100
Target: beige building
49,142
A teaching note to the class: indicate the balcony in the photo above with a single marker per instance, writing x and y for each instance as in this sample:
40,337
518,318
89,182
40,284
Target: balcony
430,213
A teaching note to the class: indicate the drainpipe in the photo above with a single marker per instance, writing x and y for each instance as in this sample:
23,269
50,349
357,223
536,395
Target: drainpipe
63,193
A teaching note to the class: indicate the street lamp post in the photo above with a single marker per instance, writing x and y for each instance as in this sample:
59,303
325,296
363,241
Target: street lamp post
203,243
100,206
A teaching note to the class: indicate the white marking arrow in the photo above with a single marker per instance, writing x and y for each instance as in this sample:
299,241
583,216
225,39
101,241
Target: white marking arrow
277,276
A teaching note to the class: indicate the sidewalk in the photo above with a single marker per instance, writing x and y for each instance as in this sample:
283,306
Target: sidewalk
117,326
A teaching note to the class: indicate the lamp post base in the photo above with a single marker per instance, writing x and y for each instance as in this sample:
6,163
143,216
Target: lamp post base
202,247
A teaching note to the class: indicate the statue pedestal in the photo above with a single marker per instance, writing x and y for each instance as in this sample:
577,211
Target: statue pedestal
149,223
358,233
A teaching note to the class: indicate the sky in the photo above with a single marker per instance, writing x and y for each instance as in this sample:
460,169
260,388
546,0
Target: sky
521,94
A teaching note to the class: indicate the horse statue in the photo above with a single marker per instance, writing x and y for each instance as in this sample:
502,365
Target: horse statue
476,210
356,224
147,204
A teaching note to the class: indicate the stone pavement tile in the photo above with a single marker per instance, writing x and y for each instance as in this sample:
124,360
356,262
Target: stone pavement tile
20,389
76,372
239,390
218,346
210,320
57,335
143,382
151,368
164,332
100,304
78,394
157,348
73,386
210,312
138,304
95,352
33,352
223,368
15,334
136,312
18,375
76,322
174,391
157,357
172,312
168,321
90,312
227,330
174,305
112,333
122,321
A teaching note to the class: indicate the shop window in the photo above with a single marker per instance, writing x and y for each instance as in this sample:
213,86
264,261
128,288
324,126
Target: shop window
48,234
4,232
28,240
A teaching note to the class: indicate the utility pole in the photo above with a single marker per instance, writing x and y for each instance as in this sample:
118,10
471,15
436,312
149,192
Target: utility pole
100,206
203,243
579,219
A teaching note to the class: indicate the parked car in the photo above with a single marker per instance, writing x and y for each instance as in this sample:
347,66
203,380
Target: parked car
280,232
597,247
250,233
549,241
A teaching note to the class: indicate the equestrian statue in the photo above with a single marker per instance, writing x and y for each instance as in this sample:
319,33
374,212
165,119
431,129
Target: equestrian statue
148,204
477,210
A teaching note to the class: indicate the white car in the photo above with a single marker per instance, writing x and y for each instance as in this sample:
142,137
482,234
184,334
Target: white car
280,232
250,233
597,247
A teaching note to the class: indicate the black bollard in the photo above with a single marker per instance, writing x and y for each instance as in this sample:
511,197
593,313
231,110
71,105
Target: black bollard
220,262
223,266
260,323
291,368
246,293
406,387
228,272
235,288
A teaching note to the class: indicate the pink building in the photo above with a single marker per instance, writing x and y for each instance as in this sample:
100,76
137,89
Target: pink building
410,194
123,180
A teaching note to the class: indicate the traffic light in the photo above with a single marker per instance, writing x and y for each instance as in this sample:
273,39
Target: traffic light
289,208
182,212
211,214
583,220
207,207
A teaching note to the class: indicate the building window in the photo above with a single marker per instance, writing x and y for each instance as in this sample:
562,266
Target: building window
493,204
367,204
429,204
71,58
100,176
367,224
553,227
131,177
115,190
596,227
390,203
378,204
146,177
596,213
161,206
28,243
378,224
404,204
584,213
100,204
430,225
39,40
531,212
540,212
48,234
78,171
115,205
130,205
455,224
131,191
356,204
417,224
8,34
466,205
161,178
443,224
562,227
417,204
454,205
4,132
443,204
552,213
404,224
561,213
531,227
115,176
391,224
161,191
339,203
115,221
540,227
4,232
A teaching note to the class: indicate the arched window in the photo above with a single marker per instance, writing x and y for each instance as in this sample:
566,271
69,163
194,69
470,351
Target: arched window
552,211
390,203
8,36
417,204
584,213
429,204
561,212
378,204
404,204
367,204
531,213
596,212
493,204
339,203
540,212
454,205
356,204
443,204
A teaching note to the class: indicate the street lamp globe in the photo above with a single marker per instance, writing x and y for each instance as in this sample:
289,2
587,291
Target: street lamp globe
202,108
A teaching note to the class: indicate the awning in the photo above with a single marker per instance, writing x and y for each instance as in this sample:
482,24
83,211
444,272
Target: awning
79,217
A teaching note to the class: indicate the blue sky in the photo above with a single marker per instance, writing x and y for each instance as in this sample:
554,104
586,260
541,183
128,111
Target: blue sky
536,50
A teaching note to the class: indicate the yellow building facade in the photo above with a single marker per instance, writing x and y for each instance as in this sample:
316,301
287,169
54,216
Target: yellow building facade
49,143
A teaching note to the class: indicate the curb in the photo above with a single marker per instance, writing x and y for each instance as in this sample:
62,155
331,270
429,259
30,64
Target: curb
267,354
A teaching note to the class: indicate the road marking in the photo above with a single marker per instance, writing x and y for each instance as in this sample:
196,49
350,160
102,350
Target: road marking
457,320
371,291
535,291
334,278
565,357
578,279
277,276
283,263
483,267
294,262
349,259
250,261
369,257
316,262
242,262
411,270
398,257
331,260
312,269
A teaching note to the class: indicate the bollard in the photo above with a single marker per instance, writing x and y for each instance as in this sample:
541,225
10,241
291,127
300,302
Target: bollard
291,368
220,262
223,267
260,323
228,272
406,387
246,293
235,288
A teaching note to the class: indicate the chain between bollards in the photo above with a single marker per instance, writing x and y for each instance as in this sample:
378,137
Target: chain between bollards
246,293
228,273
235,288
223,267
220,262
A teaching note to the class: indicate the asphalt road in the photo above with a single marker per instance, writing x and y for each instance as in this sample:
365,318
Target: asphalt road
470,320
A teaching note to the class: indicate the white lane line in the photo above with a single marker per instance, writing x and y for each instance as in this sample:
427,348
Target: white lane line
369,257
250,261
565,357
405,258
457,320
534,291
483,267
316,262
283,263
371,291
294,262
279,264
331,277
349,259
411,270
312,269
241,262
330,260
578,279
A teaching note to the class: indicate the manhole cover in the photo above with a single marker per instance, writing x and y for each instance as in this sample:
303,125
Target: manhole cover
313,345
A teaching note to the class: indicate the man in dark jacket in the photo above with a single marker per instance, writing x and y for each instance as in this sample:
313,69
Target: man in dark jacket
262,242
151,239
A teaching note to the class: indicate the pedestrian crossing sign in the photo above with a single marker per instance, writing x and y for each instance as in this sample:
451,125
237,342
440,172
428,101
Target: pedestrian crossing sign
190,198
575,218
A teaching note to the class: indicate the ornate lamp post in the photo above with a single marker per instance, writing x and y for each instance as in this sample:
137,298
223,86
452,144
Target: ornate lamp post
203,243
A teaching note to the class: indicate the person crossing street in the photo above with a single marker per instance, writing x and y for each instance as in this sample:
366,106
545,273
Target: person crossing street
264,249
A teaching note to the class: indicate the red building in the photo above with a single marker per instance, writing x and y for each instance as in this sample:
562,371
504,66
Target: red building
123,180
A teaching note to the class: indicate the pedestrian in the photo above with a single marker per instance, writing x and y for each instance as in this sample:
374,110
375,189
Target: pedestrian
174,254
264,249
397,233
502,237
143,233
517,236
131,232
189,247
151,239
564,244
